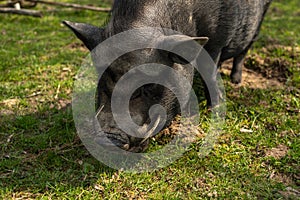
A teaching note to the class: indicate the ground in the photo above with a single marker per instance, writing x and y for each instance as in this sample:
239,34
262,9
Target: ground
41,156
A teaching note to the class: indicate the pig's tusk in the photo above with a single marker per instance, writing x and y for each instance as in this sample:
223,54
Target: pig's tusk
97,127
99,111
149,132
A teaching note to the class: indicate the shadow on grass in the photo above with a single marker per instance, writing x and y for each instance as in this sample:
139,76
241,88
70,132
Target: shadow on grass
42,152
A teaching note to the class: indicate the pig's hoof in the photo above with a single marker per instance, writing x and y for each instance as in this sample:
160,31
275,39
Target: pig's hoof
236,79
213,104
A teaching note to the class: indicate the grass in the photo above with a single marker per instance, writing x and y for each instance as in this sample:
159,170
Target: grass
41,156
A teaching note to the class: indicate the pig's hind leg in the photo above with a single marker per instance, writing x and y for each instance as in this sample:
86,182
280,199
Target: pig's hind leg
237,68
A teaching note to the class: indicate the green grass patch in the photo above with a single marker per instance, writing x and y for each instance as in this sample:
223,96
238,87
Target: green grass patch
42,157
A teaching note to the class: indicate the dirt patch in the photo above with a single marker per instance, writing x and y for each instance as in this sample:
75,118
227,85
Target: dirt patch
252,79
273,67
290,193
278,152
77,46
10,103
8,107
282,178
269,71
5,112
179,127
61,104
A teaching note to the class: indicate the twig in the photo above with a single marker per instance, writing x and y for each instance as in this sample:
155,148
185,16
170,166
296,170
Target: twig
9,4
57,92
22,4
72,5
33,13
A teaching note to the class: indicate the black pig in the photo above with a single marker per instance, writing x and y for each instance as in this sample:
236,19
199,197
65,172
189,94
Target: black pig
231,26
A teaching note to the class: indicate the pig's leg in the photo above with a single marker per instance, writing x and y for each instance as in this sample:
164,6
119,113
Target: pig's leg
237,68
212,92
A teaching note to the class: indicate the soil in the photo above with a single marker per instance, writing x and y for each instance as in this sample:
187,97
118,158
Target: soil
266,73
252,79
277,152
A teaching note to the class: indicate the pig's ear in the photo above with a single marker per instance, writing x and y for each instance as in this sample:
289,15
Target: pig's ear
201,40
183,44
182,39
90,35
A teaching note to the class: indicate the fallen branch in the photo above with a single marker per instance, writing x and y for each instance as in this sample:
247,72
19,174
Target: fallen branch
12,4
71,5
33,13
9,4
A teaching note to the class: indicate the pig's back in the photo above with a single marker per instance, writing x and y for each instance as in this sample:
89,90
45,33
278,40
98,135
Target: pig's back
231,25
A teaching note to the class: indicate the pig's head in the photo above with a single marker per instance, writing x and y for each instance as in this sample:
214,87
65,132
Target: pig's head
143,99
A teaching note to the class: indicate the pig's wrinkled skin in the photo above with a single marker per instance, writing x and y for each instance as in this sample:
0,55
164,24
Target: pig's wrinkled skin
231,26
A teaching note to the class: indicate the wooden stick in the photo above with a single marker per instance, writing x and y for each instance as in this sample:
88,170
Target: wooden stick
33,13
11,4
72,5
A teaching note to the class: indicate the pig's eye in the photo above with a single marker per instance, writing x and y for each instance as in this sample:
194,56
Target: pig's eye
148,90
152,91
137,94
177,59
